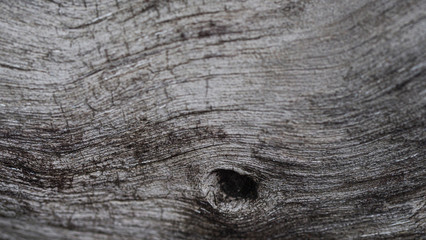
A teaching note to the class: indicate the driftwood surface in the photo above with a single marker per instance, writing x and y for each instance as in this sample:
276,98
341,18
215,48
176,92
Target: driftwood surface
212,119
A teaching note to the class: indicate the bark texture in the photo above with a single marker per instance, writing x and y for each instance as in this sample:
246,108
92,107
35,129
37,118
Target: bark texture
212,119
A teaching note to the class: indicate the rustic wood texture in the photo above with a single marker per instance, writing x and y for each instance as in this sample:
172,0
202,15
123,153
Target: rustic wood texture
212,119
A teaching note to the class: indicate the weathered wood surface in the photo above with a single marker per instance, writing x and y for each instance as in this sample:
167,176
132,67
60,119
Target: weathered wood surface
212,119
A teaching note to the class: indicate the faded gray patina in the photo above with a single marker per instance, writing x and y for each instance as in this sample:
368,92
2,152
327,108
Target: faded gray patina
212,119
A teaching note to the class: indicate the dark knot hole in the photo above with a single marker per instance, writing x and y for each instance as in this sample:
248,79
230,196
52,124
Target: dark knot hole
236,185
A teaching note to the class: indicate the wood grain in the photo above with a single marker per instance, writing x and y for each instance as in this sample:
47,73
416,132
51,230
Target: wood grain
169,119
